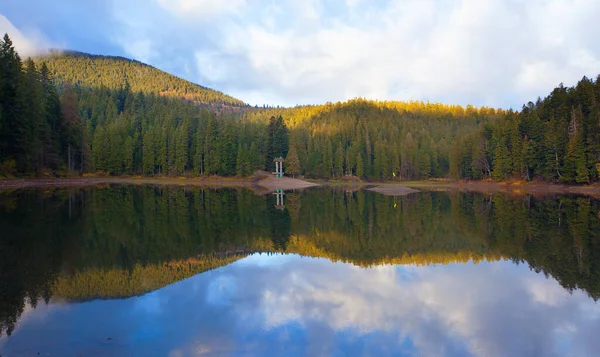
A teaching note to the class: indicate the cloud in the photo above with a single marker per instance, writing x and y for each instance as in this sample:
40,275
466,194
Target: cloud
26,45
274,305
494,52
497,53
194,9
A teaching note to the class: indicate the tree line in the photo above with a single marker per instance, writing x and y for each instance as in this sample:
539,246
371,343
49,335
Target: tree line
125,124
38,128
556,139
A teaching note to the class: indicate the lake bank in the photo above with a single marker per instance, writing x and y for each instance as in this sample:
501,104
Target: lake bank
261,183
518,188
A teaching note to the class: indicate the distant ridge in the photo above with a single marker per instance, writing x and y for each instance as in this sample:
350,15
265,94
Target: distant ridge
115,72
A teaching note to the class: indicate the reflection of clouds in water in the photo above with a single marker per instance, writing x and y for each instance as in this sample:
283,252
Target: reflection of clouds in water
221,291
494,309
299,306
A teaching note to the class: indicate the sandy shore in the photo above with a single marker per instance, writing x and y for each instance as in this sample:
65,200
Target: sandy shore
284,183
262,183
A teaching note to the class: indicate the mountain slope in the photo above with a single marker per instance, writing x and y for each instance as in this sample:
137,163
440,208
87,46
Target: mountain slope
114,72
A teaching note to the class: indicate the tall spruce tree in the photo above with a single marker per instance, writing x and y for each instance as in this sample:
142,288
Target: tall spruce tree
292,162
277,140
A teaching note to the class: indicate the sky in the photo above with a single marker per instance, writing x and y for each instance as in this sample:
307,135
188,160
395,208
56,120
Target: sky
297,306
499,53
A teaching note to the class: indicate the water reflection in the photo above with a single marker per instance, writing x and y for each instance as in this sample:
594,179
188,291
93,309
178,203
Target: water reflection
369,290
293,306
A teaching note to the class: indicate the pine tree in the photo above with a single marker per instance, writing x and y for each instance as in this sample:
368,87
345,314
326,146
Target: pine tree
182,149
360,167
502,160
51,132
516,146
211,155
34,117
228,149
277,140
292,162
13,136
148,153
327,160
71,129
339,160
243,162
100,149
579,155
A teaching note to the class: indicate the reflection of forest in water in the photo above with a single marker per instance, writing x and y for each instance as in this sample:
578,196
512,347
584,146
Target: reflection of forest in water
82,244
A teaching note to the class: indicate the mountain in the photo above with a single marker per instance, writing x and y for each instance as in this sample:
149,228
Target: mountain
126,117
113,72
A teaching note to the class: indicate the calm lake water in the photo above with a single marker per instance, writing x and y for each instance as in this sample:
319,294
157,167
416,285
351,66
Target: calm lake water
158,271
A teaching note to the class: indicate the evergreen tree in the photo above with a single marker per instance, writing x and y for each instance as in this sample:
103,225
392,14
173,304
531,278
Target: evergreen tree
71,129
339,160
148,153
243,165
50,133
359,166
292,162
182,149
228,149
277,140
34,117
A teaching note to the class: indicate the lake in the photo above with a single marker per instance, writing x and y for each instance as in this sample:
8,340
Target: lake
174,271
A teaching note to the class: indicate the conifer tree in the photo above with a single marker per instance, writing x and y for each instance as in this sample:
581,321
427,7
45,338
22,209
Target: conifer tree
277,140
228,149
71,129
360,171
339,160
292,162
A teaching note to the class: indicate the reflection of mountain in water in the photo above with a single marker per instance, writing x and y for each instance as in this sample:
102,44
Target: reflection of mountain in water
81,244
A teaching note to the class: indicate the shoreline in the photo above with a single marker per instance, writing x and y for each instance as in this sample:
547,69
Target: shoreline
514,188
260,184
266,183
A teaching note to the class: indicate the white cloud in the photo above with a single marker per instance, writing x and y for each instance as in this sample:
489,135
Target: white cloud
465,51
27,44
195,9
495,52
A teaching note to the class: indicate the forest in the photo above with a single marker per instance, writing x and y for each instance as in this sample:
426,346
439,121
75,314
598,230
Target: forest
94,71
72,113
121,241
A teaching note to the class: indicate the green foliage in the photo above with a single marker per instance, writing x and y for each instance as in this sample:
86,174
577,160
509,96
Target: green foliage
557,138
124,117
411,140
292,162
277,140
37,131
115,73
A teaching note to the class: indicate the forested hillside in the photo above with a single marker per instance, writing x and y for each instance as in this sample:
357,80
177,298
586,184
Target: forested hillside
376,140
557,138
94,71
111,118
